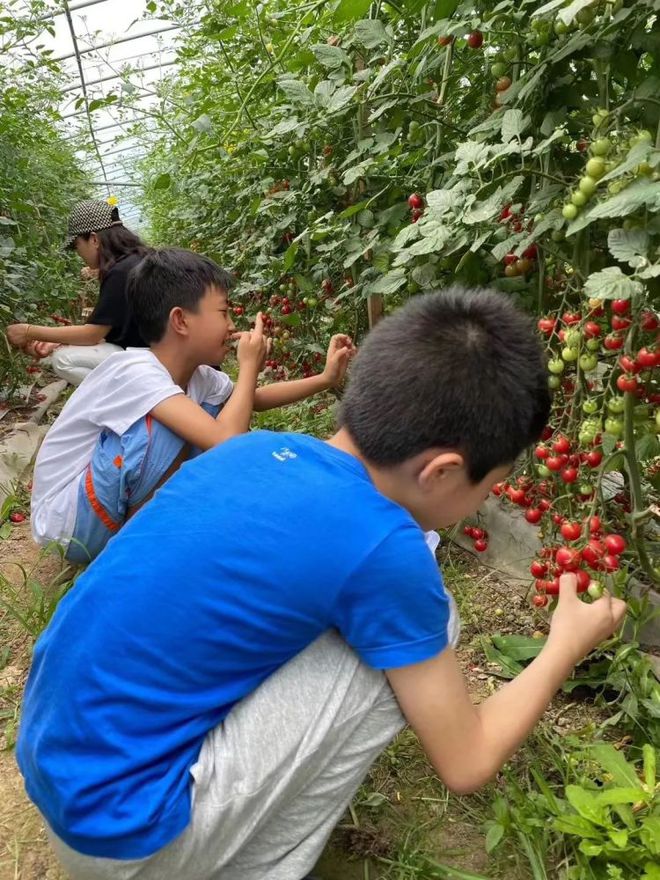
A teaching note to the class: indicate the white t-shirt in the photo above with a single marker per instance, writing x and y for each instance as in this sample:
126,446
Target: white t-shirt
121,390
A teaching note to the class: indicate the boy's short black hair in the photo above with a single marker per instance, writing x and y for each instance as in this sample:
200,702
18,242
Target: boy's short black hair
459,369
167,278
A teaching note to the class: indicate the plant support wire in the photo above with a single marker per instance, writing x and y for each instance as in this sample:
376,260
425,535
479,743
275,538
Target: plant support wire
92,134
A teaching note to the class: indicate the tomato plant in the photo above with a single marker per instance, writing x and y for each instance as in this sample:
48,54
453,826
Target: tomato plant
40,179
392,149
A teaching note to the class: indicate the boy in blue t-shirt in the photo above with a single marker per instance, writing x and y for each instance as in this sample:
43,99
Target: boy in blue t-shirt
209,696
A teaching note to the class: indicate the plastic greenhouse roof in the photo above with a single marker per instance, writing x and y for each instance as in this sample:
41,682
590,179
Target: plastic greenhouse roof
107,47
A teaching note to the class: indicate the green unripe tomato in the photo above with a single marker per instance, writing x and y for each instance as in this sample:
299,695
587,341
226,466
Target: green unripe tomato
615,187
554,382
558,235
569,212
543,471
585,16
572,338
601,147
590,407
588,362
560,27
569,354
614,427
587,186
616,404
593,344
556,367
595,589
642,137
596,167
498,69
578,198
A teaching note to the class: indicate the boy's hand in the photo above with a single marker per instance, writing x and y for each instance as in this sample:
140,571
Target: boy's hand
253,346
577,627
340,351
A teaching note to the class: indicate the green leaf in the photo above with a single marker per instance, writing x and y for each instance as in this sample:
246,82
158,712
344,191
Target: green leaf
441,200
519,647
351,9
509,667
585,803
611,283
614,763
651,834
619,838
639,193
5,531
295,90
647,447
389,283
547,7
494,836
283,127
620,795
330,56
290,256
567,15
341,98
649,765
651,871
163,181
513,125
407,234
628,246
591,850
371,33
576,825
353,209
638,153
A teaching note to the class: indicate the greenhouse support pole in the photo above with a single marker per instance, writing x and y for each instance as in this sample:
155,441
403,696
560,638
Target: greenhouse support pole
375,309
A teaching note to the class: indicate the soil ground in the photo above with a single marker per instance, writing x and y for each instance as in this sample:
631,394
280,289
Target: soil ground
401,815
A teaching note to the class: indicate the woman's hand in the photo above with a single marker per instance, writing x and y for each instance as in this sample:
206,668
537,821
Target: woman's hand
17,335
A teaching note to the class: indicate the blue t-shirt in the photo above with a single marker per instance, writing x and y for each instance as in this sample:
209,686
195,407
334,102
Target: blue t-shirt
239,562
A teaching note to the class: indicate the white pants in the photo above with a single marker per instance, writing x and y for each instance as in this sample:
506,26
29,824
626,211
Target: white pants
75,362
274,778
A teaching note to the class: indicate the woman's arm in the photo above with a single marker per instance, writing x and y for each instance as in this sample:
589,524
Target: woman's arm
19,335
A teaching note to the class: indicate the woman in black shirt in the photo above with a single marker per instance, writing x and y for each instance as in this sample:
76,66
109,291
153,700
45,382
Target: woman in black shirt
112,250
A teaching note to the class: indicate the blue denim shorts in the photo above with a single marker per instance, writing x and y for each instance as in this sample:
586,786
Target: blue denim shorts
122,473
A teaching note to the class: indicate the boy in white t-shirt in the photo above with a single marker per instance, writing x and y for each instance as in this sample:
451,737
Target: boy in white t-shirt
138,415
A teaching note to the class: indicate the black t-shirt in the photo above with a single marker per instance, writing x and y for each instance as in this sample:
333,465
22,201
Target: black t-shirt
113,308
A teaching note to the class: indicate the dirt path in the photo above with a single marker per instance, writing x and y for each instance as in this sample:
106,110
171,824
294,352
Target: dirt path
24,853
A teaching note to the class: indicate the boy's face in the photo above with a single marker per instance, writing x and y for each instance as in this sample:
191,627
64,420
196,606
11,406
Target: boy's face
211,327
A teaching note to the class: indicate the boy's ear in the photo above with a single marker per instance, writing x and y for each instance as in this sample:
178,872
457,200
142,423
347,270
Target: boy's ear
440,467
179,321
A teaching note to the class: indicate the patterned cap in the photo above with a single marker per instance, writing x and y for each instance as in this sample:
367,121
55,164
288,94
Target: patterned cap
90,216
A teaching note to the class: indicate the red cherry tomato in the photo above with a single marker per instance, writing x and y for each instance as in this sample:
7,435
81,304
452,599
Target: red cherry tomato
571,531
620,306
615,544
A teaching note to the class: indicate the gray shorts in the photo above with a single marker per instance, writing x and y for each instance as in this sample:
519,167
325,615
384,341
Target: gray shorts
275,777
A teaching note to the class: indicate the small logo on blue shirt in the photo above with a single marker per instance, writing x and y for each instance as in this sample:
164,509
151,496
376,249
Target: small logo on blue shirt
284,454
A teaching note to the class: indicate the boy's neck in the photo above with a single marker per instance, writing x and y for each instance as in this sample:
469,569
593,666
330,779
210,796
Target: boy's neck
384,479
177,362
